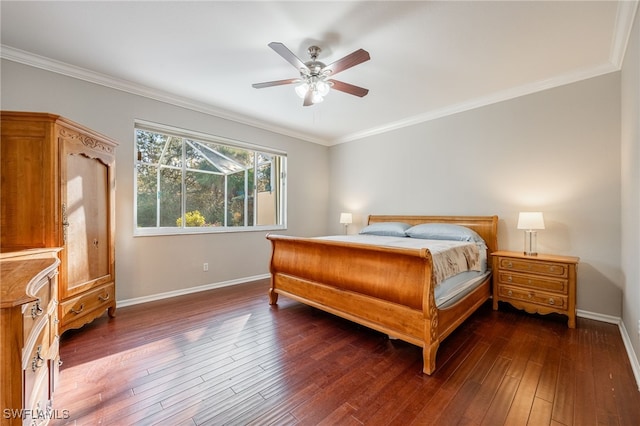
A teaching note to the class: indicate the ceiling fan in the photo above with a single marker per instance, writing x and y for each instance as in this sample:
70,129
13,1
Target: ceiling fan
315,76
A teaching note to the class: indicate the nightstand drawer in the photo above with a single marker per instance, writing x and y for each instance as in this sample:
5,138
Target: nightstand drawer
536,267
535,282
554,301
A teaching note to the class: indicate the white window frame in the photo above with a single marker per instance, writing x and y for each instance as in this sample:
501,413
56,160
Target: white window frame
194,135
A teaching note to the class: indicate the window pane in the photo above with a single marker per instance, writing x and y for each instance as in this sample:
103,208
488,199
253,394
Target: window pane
264,178
267,199
241,157
235,199
150,146
205,194
172,154
218,157
197,159
147,196
170,196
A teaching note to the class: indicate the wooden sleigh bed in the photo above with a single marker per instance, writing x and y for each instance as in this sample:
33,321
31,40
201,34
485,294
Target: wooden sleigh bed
387,289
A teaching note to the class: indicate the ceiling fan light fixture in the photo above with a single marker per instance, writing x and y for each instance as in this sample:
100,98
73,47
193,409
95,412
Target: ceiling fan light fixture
318,87
322,87
316,98
302,89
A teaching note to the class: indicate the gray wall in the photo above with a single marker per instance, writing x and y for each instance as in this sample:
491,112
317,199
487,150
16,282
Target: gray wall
631,187
557,151
147,266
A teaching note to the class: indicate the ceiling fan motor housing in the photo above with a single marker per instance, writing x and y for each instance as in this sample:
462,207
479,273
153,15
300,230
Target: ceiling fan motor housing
314,67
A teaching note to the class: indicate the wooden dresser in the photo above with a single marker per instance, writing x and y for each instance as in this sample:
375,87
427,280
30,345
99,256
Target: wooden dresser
538,284
58,187
29,335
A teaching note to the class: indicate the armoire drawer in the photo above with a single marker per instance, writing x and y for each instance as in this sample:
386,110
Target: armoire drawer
34,361
34,311
97,299
38,401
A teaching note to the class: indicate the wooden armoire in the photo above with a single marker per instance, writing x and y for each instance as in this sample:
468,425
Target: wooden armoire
58,190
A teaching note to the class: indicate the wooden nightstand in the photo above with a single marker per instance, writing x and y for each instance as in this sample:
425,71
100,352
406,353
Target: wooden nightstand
538,284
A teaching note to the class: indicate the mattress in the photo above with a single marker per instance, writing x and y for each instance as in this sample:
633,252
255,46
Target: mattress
455,288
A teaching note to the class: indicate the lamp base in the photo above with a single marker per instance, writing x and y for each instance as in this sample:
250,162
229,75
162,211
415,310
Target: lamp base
530,242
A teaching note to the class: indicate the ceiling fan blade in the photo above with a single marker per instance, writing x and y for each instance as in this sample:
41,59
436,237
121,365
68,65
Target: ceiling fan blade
276,83
307,98
351,60
288,55
348,88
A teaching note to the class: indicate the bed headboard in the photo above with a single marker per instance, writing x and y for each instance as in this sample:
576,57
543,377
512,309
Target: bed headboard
485,226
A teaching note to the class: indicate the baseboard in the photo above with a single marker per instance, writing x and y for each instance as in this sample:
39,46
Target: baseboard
633,359
598,317
182,292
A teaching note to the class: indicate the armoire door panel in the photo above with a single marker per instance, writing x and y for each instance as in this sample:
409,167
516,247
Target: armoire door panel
87,207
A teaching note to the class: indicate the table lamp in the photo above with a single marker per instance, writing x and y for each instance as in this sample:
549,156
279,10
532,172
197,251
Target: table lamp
530,222
346,219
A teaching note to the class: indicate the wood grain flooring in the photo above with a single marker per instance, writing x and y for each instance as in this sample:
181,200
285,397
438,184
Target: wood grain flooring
226,357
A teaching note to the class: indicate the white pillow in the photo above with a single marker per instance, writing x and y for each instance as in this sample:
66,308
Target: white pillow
444,231
386,229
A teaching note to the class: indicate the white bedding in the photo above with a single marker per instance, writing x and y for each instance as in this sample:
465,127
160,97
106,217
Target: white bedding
450,258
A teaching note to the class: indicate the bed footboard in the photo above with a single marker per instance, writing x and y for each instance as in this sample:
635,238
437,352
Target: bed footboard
386,289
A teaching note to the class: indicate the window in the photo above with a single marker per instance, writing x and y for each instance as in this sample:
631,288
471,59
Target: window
188,182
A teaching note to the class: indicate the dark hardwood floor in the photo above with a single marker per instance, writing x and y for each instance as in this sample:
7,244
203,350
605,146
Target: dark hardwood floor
225,357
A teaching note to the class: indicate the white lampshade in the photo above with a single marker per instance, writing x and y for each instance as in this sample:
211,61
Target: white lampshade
301,90
346,218
322,88
530,220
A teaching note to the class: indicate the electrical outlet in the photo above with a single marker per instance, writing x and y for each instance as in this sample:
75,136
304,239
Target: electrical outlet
205,267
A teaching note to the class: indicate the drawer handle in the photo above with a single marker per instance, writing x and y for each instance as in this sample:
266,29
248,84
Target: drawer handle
510,278
530,295
59,362
78,311
510,265
37,361
104,299
529,282
36,310
551,301
510,293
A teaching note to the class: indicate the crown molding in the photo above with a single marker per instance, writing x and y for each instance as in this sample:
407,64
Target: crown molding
48,64
493,98
622,31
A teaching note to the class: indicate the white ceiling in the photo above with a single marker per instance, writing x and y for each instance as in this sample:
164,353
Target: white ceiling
428,58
